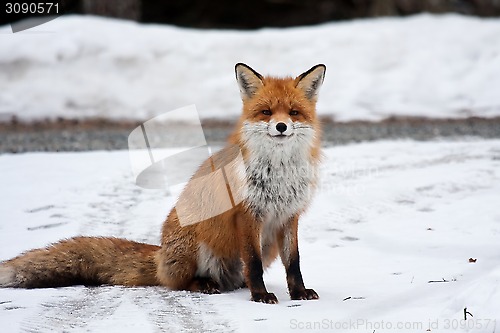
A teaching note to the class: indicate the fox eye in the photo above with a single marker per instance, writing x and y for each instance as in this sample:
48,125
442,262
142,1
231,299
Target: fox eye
266,112
294,113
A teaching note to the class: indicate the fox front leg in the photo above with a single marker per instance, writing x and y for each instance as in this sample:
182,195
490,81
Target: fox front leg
289,253
249,233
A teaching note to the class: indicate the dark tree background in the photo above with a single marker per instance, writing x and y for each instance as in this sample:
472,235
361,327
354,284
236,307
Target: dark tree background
270,13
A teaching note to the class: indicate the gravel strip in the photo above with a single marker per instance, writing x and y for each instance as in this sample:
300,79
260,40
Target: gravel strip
72,135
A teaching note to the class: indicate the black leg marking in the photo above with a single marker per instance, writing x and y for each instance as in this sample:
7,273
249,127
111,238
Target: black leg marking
256,282
295,282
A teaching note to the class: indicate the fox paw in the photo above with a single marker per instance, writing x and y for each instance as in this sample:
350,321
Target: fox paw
267,298
205,286
303,294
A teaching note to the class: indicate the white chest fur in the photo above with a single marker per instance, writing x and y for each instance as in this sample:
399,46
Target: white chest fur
279,190
281,177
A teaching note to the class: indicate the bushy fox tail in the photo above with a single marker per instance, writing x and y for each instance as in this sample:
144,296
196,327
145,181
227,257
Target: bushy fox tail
83,260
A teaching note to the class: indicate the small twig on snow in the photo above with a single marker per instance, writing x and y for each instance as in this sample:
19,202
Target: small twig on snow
350,297
467,313
437,281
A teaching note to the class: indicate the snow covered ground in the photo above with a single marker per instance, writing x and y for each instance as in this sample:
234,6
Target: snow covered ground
389,217
79,67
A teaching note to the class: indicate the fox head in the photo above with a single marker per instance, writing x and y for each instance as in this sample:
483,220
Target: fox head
279,111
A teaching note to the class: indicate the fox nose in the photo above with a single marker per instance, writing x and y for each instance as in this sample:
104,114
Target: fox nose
281,127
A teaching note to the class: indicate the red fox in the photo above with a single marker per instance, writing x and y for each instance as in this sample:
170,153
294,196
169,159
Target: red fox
278,136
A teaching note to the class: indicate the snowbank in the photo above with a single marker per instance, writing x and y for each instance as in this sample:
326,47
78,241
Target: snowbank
388,218
80,66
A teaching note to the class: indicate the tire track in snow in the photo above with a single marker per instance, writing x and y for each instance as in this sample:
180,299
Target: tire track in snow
154,309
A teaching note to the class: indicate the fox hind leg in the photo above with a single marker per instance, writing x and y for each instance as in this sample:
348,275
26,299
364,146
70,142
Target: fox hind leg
175,271
204,285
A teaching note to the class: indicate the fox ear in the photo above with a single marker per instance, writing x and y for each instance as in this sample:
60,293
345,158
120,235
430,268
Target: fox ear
249,80
310,82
